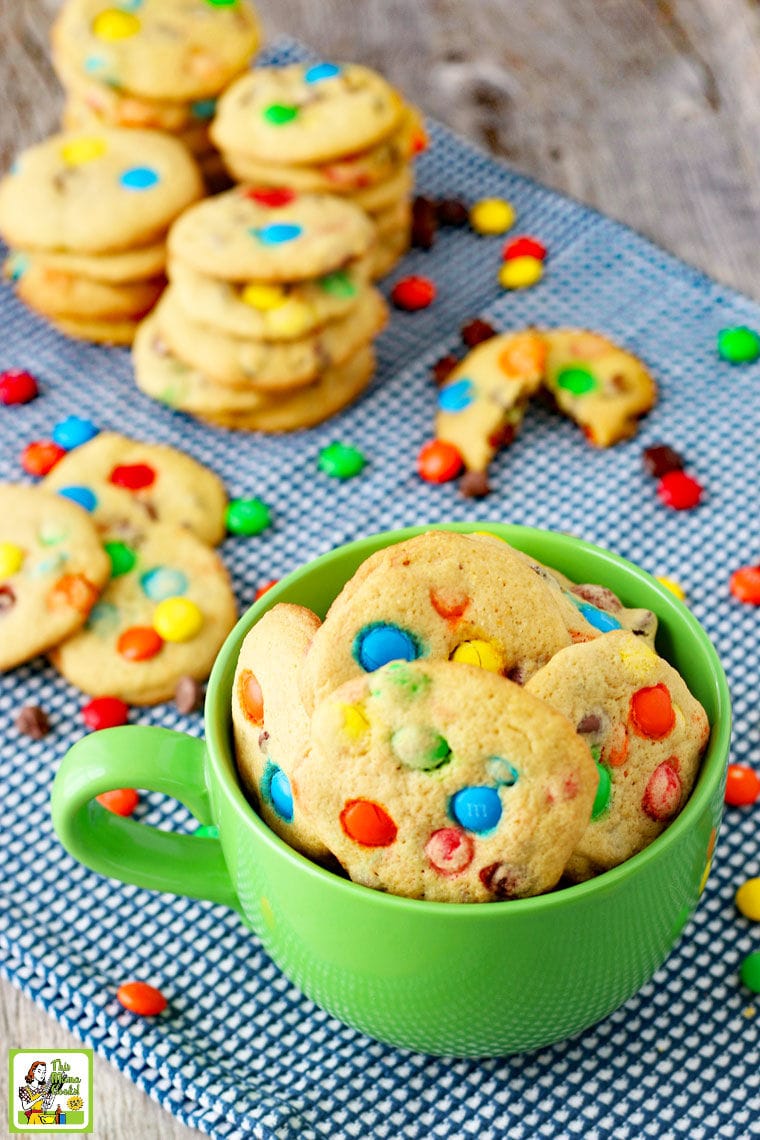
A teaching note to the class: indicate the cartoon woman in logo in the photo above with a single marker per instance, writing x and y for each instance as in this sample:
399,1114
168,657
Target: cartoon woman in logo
36,1096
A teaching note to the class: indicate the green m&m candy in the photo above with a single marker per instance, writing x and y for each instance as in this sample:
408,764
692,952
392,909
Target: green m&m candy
738,345
247,516
341,461
578,381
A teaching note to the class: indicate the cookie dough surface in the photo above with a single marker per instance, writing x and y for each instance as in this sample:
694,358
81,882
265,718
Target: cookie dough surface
438,780
52,570
157,49
98,191
172,486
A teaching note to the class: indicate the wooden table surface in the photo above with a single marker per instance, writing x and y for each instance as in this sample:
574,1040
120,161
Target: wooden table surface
648,110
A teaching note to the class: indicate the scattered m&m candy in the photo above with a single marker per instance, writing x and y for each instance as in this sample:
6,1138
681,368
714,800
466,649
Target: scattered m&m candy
492,216
747,899
40,456
438,462
744,584
17,387
247,516
680,491
521,273
265,589
738,345
141,998
413,293
524,246
73,432
742,785
750,972
105,712
121,801
341,461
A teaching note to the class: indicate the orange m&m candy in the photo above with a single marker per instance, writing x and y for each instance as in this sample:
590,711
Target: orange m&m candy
40,456
121,801
438,462
745,584
652,712
139,643
139,997
368,823
73,590
251,697
742,785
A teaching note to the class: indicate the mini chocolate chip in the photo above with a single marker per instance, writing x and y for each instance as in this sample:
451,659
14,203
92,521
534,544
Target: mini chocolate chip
588,723
517,675
263,738
424,223
452,212
474,485
443,368
7,599
32,721
503,436
599,596
188,695
476,331
660,458
501,880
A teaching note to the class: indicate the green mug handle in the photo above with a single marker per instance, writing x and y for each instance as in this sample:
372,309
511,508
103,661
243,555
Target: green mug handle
158,760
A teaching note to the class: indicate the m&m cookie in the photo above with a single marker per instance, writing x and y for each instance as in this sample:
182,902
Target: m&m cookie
270,724
646,731
52,571
439,780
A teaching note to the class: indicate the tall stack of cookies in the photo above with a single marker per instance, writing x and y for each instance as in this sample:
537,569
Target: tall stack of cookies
269,317
86,216
157,64
326,128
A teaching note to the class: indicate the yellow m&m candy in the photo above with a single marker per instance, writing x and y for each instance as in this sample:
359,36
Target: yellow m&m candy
484,654
675,587
263,297
747,899
492,216
355,721
291,319
86,148
115,24
177,619
11,559
521,272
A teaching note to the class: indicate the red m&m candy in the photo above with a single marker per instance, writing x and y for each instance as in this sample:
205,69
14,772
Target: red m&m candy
438,462
412,293
133,476
524,246
678,490
105,712
272,196
17,387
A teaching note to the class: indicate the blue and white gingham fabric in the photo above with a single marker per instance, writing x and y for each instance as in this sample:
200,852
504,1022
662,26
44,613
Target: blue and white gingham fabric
681,1059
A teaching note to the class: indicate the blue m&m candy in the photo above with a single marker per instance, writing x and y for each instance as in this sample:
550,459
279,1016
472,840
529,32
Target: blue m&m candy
73,432
275,786
320,71
278,233
139,178
377,644
600,619
163,582
476,809
457,396
81,495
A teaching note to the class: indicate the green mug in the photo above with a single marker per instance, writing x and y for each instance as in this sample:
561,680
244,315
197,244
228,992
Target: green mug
459,979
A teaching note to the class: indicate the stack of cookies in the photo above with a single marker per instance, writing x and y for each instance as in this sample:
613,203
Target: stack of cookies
157,64
326,128
86,216
269,317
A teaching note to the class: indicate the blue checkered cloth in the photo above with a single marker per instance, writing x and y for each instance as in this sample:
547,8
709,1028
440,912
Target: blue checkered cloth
678,1060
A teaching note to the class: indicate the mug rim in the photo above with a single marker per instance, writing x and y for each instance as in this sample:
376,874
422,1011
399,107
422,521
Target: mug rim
219,731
